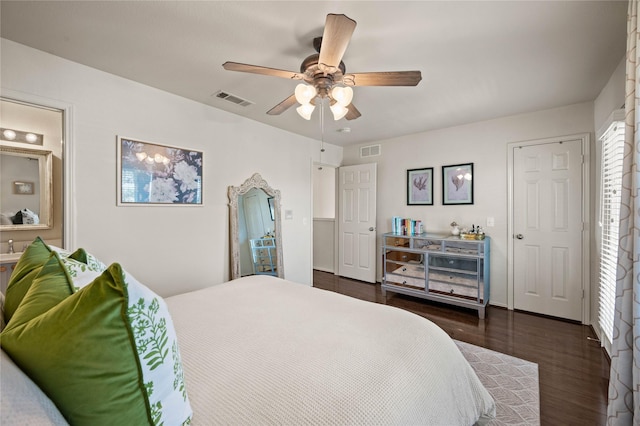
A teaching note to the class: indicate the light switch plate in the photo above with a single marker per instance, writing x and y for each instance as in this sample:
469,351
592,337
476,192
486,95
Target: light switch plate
491,221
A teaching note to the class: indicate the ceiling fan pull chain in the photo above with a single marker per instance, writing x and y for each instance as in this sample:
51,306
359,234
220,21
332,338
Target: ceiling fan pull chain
321,126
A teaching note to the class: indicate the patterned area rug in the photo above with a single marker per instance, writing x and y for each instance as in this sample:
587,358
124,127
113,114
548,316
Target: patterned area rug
513,383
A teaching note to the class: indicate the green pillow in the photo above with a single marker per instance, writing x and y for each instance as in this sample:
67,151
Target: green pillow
27,267
51,286
2,321
107,354
83,267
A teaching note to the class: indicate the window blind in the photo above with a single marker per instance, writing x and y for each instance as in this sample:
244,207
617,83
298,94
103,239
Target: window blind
611,184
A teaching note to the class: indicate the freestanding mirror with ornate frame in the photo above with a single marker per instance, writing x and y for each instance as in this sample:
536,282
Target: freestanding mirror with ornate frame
27,183
255,227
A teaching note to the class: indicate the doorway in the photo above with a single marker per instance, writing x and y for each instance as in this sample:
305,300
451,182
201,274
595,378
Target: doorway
46,124
548,230
324,217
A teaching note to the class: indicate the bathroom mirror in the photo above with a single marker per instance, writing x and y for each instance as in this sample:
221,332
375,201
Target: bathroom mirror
256,240
26,186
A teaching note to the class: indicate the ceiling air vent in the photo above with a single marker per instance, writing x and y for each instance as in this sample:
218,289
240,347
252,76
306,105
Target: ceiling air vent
232,98
370,151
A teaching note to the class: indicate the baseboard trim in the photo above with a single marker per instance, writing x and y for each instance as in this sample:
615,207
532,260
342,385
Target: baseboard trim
329,270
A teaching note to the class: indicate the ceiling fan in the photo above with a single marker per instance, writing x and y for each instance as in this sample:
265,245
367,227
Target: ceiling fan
325,74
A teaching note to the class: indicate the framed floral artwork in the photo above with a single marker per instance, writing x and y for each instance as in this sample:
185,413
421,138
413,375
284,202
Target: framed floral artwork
420,187
23,188
153,174
457,184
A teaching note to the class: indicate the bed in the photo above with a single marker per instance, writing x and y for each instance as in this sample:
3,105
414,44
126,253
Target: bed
259,350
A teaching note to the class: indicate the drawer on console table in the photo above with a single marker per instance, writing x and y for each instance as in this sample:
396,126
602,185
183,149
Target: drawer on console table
404,267
409,275
396,240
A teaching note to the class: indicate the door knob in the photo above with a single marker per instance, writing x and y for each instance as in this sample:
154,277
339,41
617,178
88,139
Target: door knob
520,236
372,229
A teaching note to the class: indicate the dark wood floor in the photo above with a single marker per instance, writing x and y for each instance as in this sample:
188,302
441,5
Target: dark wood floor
574,371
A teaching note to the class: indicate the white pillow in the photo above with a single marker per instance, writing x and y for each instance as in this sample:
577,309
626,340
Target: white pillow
29,217
22,402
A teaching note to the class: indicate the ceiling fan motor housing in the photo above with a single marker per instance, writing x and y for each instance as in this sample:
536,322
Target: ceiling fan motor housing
322,81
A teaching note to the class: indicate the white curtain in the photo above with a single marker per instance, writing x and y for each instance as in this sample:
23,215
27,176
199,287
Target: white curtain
624,379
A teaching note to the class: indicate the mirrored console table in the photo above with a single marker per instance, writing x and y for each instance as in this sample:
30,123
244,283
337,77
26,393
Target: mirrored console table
442,268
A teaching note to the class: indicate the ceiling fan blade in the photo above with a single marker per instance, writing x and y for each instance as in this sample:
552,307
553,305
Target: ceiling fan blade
283,106
392,78
353,112
255,69
335,39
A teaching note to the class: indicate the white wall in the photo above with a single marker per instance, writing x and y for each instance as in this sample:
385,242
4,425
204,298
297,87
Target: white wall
171,249
324,192
324,244
485,145
611,97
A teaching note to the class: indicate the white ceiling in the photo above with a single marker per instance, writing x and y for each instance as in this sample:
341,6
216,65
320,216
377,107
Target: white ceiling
479,59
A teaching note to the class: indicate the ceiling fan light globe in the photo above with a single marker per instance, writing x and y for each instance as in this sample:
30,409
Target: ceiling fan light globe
304,93
342,95
305,110
338,111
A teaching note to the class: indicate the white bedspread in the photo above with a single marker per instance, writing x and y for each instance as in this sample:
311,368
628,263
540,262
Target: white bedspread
261,350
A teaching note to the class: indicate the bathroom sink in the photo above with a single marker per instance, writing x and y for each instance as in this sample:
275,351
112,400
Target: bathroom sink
9,257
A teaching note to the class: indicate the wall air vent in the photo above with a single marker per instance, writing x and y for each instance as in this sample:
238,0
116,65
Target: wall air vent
232,98
370,151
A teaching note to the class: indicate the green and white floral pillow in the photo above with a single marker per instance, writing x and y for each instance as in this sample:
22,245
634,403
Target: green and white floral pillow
82,266
81,255
157,346
82,273
61,252
101,367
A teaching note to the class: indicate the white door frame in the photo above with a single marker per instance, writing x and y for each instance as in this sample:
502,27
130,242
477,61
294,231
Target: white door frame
586,218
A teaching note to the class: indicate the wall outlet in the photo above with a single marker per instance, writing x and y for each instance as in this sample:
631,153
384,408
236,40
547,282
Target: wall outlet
288,214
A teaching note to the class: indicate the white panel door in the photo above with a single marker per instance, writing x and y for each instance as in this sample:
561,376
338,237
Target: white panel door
357,222
253,216
547,218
